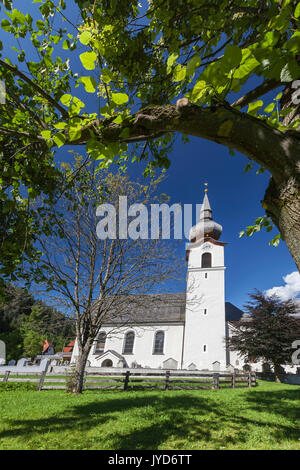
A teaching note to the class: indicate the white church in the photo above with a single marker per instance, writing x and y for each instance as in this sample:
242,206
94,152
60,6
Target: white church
178,331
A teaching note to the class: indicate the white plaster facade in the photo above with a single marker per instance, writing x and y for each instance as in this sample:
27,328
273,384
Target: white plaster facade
204,341
143,346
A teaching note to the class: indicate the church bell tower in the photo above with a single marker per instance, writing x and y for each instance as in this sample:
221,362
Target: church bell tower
204,335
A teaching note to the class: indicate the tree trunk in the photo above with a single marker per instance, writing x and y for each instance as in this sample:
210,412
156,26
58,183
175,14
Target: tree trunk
78,381
282,204
277,372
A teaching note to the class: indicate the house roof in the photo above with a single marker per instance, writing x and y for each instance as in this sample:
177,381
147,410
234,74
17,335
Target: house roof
69,347
159,308
154,308
232,313
111,351
46,345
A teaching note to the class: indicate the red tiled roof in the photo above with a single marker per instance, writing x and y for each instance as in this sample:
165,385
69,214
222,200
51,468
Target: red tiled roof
46,345
69,347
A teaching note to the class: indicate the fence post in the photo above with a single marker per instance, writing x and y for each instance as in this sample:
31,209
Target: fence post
126,380
233,380
216,381
167,379
6,375
249,379
41,382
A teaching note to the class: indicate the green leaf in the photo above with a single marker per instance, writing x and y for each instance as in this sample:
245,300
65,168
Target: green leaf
66,44
248,167
290,72
246,68
16,16
89,84
46,134
118,119
66,99
293,44
269,108
88,60
232,56
199,90
170,62
106,76
74,133
5,24
179,73
192,65
59,139
270,39
254,107
125,133
85,37
119,98
297,11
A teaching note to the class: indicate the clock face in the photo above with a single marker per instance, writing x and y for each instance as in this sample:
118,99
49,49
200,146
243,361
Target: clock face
206,246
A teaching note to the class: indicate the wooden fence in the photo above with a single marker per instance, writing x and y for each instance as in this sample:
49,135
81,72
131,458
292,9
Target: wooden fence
130,380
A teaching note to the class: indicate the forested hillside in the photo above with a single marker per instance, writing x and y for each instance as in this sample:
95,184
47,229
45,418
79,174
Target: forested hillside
26,322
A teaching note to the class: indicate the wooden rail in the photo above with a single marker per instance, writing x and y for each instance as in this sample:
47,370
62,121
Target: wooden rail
130,380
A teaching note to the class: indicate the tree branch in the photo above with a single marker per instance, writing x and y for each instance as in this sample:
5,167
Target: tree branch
16,71
261,90
222,124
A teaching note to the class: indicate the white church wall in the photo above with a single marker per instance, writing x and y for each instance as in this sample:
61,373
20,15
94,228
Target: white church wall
143,345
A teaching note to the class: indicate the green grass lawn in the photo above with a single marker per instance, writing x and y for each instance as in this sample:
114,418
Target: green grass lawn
265,417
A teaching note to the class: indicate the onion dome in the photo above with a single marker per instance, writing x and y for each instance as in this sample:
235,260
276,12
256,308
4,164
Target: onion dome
206,227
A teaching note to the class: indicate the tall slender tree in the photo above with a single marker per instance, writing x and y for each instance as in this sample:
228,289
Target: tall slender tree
97,277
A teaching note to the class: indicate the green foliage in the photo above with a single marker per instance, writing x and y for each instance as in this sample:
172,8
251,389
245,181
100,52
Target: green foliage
138,55
269,331
31,328
17,387
71,379
25,323
261,222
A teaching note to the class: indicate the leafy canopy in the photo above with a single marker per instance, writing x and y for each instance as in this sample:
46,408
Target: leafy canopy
125,56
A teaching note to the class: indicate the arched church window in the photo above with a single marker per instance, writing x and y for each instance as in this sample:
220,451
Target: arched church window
159,340
206,260
128,343
100,344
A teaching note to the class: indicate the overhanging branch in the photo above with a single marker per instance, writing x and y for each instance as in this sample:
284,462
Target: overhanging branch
222,124
16,71
261,90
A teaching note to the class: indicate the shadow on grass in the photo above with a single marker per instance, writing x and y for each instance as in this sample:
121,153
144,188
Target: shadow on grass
181,419
283,403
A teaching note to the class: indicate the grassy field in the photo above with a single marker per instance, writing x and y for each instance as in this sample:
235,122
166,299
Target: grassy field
265,417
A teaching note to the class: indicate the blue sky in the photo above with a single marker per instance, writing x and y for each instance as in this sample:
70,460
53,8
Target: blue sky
234,196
